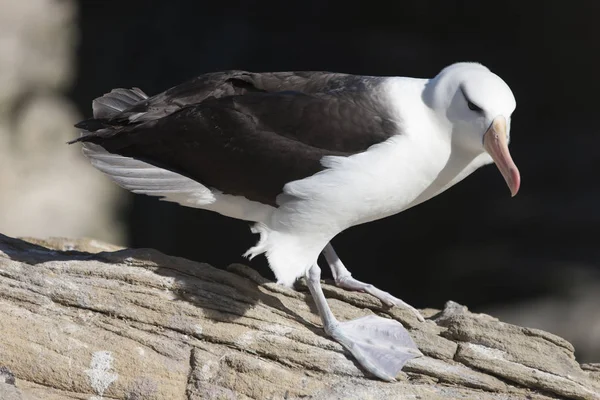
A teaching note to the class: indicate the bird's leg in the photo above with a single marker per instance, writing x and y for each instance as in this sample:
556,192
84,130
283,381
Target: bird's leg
381,345
343,278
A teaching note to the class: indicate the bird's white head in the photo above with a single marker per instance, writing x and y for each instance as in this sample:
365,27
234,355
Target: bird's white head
477,104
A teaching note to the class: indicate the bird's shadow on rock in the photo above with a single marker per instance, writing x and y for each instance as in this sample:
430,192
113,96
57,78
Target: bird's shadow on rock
223,295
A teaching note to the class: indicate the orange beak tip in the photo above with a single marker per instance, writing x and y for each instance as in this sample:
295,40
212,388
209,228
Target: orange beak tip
516,182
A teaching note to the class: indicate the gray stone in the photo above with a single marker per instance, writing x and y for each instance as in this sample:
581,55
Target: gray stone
6,376
81,318
8,390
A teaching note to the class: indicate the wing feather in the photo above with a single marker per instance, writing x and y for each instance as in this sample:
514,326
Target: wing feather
240,133
140,177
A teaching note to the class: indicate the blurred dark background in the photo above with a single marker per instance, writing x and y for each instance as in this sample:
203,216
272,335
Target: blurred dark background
533,259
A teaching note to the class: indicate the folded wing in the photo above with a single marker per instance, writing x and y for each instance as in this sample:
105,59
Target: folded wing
242,138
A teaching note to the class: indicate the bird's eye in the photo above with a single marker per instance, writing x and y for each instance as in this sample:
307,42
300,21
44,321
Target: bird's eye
473,107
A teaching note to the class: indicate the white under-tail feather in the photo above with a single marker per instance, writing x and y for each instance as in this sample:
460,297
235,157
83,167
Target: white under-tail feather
290,255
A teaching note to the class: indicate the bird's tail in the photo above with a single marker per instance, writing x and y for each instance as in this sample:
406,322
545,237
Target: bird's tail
106,107
117,101
133,174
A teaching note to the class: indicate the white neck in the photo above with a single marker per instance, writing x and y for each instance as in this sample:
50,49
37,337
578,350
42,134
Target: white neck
450,159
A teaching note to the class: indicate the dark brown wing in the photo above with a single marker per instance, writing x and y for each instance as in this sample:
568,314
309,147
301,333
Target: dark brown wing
252,144
234,83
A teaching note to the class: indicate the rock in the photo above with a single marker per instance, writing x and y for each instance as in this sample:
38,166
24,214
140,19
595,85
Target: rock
84,319
577,307
8,389
49,188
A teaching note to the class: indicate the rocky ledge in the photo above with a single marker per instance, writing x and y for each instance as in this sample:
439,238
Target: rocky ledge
80,319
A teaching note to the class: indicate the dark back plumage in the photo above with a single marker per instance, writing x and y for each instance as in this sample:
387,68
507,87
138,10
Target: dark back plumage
244,133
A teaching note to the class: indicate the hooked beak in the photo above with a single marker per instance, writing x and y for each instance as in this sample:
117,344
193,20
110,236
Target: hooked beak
495,142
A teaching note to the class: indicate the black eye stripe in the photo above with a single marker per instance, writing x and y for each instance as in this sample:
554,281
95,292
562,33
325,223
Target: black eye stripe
473,107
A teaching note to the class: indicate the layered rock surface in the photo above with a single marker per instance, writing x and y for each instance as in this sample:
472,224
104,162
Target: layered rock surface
81,319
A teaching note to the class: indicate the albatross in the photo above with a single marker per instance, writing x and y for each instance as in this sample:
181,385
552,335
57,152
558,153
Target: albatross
304,156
